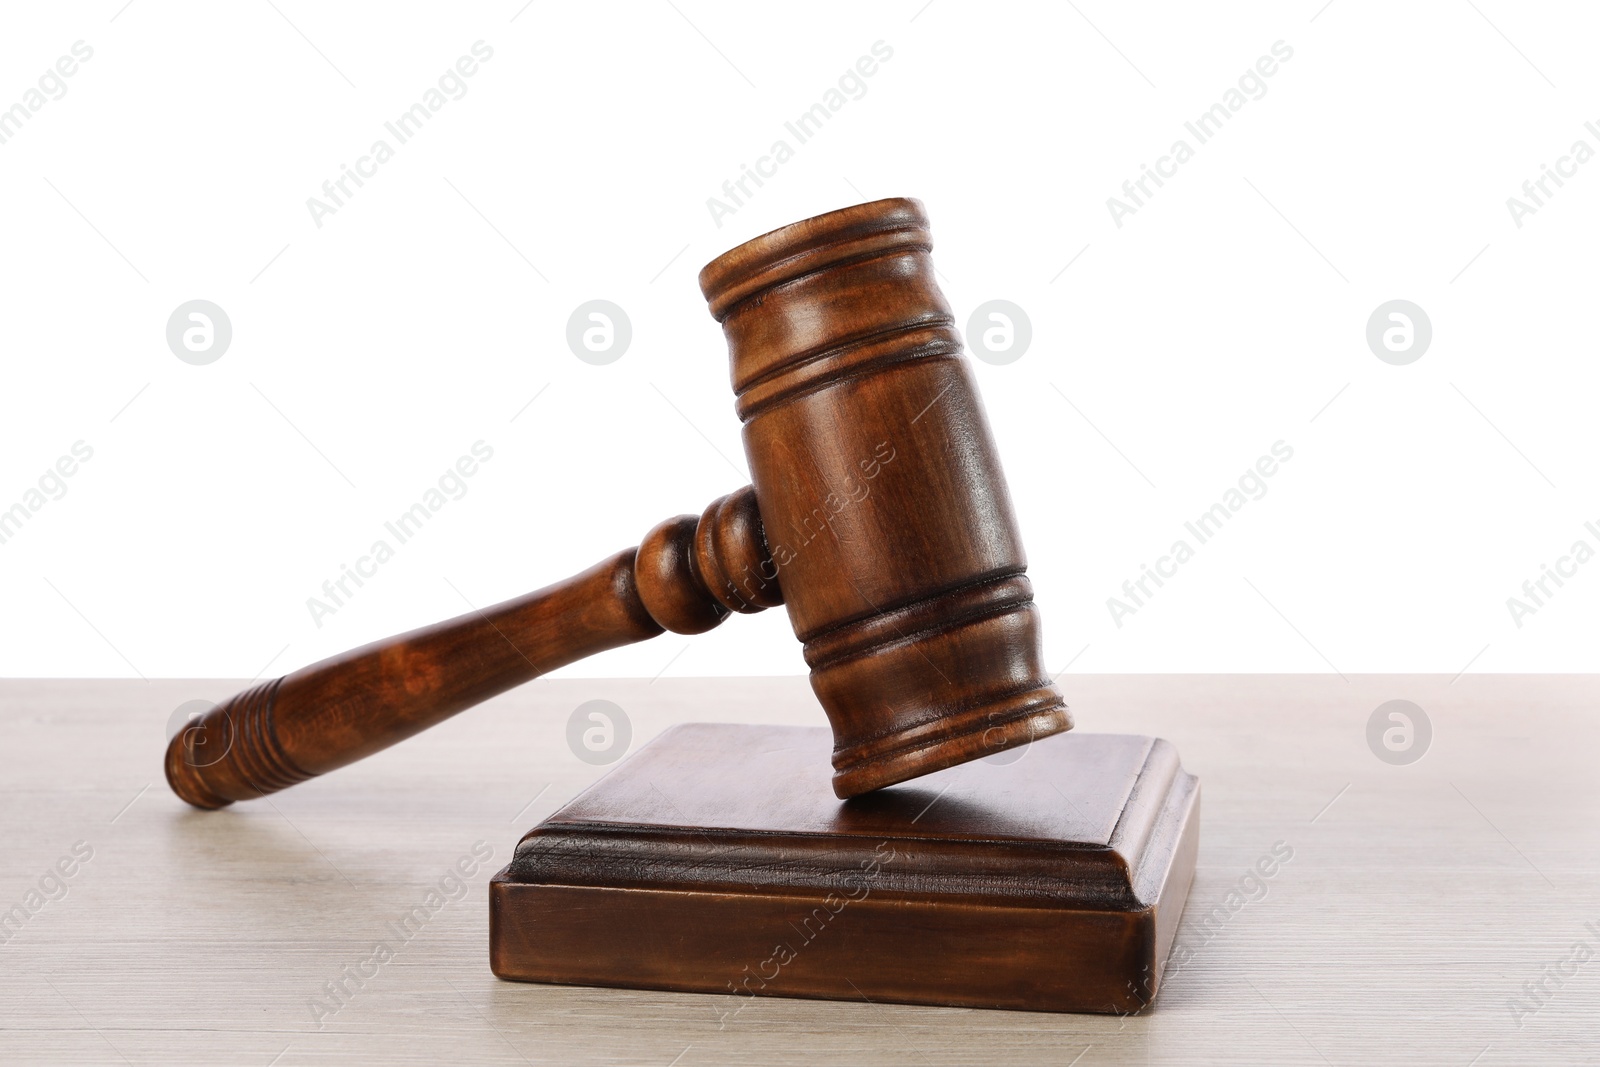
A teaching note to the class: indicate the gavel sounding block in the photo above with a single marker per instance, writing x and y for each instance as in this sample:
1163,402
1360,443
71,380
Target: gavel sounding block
717,860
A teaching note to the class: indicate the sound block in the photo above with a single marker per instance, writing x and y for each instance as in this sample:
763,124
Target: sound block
717,860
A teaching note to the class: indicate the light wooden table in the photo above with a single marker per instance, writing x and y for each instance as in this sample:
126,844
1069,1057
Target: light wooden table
1418,902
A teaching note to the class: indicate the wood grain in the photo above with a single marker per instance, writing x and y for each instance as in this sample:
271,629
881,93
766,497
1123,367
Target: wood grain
882,496
1048,882
1417,903
332,713
907,586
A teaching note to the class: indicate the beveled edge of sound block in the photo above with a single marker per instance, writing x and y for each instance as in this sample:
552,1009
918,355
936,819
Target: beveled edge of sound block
714,860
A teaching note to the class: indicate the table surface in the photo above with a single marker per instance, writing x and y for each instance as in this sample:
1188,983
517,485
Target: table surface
1441,912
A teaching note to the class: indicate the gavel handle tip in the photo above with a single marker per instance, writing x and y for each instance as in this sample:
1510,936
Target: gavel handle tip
185,781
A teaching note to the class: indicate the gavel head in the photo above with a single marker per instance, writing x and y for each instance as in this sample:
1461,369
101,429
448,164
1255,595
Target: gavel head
886,517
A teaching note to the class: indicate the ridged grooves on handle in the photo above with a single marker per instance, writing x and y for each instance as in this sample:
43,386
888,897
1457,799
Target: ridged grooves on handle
257,751
252,752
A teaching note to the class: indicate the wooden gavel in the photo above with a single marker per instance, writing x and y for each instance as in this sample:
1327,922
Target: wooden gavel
878,514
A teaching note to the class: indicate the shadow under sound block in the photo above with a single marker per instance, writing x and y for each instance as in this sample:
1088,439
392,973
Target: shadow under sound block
716,859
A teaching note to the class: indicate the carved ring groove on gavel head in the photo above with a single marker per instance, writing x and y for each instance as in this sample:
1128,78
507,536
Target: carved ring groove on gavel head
879,515
886,514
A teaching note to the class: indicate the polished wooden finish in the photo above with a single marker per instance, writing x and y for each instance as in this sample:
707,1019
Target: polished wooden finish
335,712
885,508
879,514
1052,883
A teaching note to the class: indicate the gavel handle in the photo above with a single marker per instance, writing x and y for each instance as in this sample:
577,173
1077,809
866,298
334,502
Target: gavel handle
687,576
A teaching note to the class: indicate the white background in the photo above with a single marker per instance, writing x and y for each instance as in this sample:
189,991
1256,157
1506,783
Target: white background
368,354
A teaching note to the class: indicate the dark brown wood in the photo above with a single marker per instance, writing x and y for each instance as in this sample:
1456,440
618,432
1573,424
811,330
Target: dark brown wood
335,712
879,514
714,860
885,508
